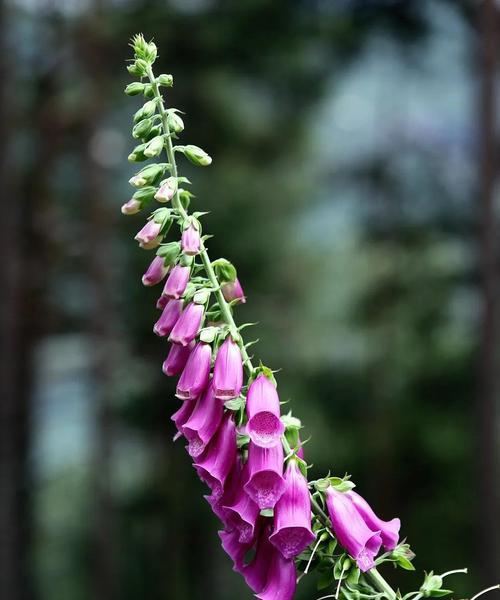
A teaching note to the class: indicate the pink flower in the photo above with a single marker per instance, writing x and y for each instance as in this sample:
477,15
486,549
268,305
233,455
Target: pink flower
203,422
351,530
281,579
155,272
215,464
181,416
176,359
169,317
190,241
188,325
292,515
194,378
167,191
256,573
389,530
177,281
149,236
263,410
265,483
232,291
131,207
242,513
228,371
162,302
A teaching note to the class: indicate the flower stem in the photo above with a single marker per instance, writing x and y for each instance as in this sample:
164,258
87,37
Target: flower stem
381,583
177,204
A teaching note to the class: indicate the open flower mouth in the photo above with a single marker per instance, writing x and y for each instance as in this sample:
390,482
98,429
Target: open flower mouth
265,429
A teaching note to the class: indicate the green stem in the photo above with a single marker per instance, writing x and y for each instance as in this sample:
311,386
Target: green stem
381,583
225,309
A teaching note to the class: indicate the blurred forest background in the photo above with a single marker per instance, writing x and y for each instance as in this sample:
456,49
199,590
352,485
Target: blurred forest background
354,185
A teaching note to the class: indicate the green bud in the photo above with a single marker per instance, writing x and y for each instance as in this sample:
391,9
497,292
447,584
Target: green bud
137,154
154,147
196,155
169,252
201,297
148,175
149,109
137,68
174,122
165,80
225,271
134,88
145,194
153,132
185,198
142,128
342,484
143,50
149,91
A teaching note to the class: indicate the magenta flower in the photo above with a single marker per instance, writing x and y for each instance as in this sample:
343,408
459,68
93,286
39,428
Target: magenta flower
242,512
203,422
265,483
231,487
292,515
263,410
194,378
188,325
176,359
181,416
155,272
281,579
215,464
234,548
233,292
228,371
162,302
256,572
389,530
149,235
177,281
168,318
190,240
351,531
131,207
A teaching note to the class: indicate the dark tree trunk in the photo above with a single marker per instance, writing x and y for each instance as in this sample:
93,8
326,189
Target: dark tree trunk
489,365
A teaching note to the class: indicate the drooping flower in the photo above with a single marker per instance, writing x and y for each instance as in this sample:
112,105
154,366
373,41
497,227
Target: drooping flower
131,207
194,378
242,513
149,236
265,483
389,530
188,325
256,572
167,190
190,240
162,302
215,464
177,281
281,579
203,422
176,359
231,487
292,514
168,318
155,272
233,292
351,530
228,370
263,410
234,548
181,416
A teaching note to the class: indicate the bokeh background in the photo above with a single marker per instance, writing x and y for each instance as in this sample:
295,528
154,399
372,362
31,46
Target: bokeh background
354,184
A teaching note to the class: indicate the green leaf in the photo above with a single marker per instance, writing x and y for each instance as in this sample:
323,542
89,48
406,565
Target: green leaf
325,579
404,563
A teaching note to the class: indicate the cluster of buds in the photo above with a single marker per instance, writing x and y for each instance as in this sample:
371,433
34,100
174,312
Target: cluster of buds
250,456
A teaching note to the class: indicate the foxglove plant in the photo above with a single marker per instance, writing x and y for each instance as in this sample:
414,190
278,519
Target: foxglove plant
250,456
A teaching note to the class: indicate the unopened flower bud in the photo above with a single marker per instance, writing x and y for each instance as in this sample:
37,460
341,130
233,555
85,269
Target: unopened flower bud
228,371
142,129
191,241
233,292
134,88
149,91
176,359
174,122
194,378
167,190
165,80
138,68
147,175
169,252
197,156
156,271
188,325
149,109
177,282
168,319
149,234
154,147
131,207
